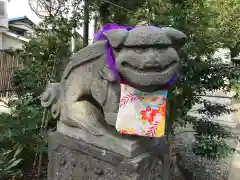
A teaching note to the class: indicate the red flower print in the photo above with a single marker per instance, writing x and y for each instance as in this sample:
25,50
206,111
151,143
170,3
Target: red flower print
128,132
148,114
162,109
123,132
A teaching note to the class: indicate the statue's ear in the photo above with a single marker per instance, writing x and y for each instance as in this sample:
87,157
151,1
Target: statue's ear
116,37
177,37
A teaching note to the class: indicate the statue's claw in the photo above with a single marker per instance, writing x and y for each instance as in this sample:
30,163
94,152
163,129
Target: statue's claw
91,129
84,115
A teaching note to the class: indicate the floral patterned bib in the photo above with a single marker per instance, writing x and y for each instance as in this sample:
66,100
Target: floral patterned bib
141,113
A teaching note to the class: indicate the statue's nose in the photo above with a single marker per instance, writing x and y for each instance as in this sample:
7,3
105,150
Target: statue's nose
151,61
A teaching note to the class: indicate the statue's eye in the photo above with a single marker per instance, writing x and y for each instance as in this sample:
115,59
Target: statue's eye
139,50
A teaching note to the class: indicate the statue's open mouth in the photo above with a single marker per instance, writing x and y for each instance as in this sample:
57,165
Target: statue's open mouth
148,78
151,69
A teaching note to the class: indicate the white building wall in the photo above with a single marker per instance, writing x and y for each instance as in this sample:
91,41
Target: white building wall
11,42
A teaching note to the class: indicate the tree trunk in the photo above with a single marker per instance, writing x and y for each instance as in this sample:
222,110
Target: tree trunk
96,26
86,23
104,13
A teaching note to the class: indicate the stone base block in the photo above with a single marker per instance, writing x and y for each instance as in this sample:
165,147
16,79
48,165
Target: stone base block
129,146
71,159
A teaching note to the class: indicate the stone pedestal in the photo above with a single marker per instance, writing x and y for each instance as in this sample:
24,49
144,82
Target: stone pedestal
71,159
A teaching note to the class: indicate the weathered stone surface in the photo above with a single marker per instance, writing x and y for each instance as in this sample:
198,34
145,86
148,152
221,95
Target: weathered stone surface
147,35
71,159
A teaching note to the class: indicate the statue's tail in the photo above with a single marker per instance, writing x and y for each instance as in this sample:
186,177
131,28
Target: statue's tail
51,98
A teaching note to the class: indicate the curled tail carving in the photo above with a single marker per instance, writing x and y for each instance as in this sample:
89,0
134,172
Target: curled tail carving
51,98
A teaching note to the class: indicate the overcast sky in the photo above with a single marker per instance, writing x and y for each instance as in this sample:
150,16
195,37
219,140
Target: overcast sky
18,8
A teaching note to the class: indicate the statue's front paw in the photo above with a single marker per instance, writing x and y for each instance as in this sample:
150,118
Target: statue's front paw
85,116
88,127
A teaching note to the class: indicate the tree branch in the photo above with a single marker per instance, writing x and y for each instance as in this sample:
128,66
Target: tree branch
116,5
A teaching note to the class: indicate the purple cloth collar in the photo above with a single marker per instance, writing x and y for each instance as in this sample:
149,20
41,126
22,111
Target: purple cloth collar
110,58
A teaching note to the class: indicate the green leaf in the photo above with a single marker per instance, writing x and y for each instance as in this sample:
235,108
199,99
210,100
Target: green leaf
13,164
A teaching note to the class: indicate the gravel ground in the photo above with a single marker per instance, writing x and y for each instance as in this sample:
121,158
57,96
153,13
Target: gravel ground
204,169
199,168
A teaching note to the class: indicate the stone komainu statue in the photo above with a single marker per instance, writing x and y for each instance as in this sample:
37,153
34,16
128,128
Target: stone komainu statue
88,95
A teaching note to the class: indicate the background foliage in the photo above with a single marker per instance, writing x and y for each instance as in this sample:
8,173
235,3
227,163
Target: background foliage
208,24
44,58
200,72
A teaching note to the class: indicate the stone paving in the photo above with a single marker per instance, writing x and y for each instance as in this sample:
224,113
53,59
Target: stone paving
229,120
234,173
